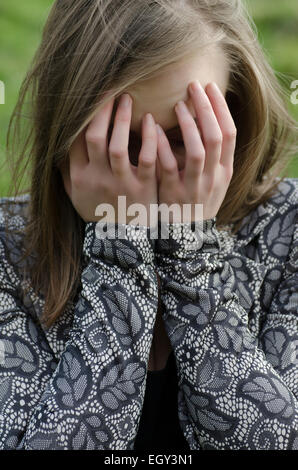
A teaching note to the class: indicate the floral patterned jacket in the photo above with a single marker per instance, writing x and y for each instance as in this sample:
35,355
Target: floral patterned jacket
230,310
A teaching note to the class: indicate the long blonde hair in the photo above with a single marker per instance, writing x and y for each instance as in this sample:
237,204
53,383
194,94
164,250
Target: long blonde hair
89,48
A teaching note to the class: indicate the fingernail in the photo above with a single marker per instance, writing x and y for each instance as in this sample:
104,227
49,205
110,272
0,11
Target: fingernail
149,119
159,129
181,106
125,100
215,87
195,86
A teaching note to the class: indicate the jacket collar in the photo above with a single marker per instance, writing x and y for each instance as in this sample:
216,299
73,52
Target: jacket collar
255,222
249,273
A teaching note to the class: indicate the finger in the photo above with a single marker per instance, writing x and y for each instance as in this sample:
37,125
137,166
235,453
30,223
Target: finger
118,147
148,153
169,173
226,123
195,152
73,171
97,135
158,170
211,132
78,152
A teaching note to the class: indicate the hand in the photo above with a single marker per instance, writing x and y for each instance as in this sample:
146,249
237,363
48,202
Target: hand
209,160
99,172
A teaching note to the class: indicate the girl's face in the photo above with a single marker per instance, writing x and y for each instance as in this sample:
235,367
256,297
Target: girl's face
159,96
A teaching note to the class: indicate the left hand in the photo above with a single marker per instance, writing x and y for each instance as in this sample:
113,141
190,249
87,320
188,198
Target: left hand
209,159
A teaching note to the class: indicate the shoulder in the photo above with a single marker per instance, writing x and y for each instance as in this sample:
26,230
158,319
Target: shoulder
13,218
286,194
268,234
14,210
283,212
280,235
278,211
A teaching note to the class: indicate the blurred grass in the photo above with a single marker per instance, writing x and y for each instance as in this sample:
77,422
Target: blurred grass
21,26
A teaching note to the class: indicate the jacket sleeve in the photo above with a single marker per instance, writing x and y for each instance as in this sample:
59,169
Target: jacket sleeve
92,397
234,394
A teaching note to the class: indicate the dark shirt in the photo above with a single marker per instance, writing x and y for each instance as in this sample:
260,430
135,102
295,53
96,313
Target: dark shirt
159,426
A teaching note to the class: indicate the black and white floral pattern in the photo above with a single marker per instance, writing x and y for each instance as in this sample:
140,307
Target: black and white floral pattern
230,310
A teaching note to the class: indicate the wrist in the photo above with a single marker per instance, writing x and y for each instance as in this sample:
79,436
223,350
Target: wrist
122,244
179,239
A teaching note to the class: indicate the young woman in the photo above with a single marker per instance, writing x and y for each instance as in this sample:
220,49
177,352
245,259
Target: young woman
140,343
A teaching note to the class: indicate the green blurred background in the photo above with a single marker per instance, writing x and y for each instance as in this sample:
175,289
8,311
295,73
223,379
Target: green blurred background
21,24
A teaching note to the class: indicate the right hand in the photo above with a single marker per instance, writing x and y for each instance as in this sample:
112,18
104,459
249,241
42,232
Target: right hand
99,171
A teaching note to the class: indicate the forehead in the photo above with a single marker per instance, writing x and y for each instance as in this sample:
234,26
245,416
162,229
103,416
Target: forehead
160,94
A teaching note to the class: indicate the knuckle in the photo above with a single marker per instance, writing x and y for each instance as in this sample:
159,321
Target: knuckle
205,106
171,169
116,152
93,137
198,156
215,141
146,161
230,134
